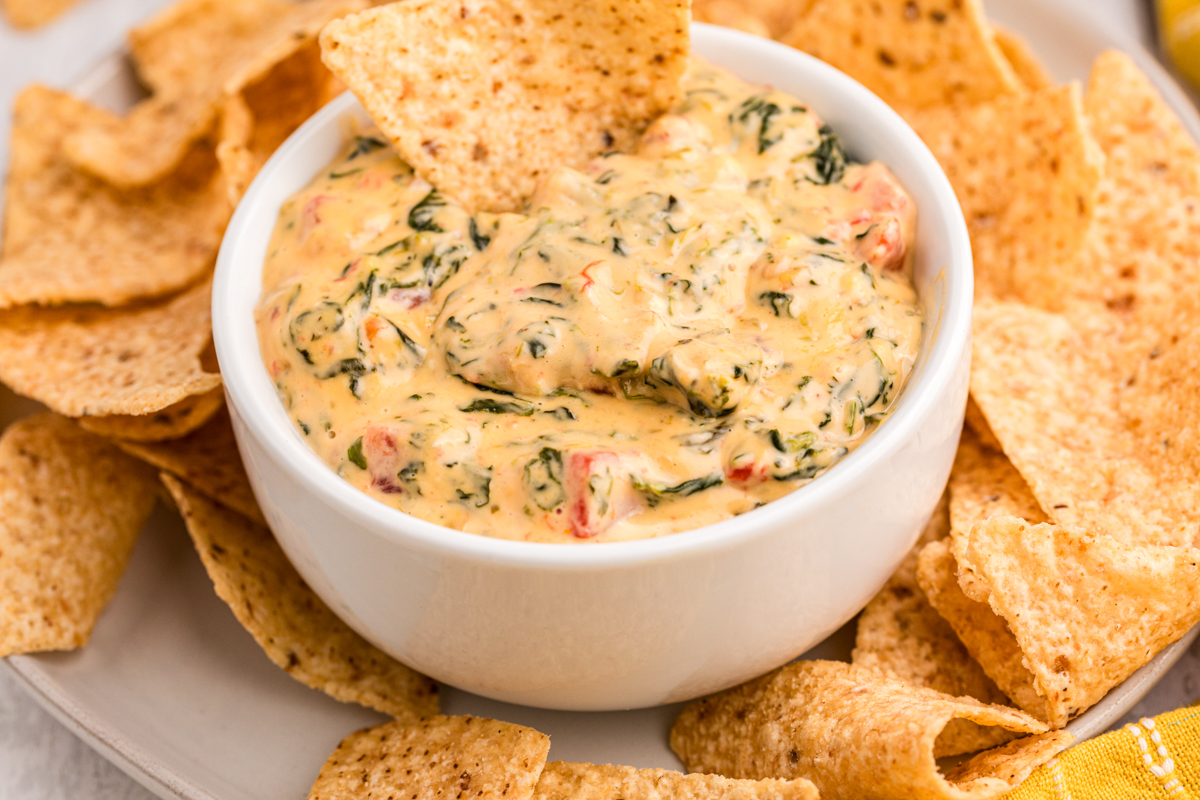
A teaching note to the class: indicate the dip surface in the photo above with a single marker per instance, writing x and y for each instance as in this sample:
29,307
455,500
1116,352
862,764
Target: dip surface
664,340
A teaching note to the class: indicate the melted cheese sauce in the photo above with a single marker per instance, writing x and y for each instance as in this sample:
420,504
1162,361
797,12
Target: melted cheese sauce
662,341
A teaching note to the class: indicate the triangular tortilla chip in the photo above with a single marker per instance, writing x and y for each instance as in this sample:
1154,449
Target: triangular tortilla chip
294,628
258,119
731,14
71,509
771,18
984,484
1145,250
83,360
1049,388
71,238
34,13
901,634
186,36
207,460
192,55
854,732
438,758
484,99
986,637
561,780
1087,611
977,424
171,422
1026,175
1025,64
1161,403
912,55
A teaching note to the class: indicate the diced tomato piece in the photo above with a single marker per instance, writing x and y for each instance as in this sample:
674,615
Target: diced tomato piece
599,491
310,216
885,219
882,245
410,298
373,326
741,473
381,449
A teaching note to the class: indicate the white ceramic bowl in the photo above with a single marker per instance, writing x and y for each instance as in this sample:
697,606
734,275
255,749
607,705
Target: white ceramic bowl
623,625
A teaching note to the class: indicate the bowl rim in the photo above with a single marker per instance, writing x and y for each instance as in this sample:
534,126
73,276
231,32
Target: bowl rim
277,437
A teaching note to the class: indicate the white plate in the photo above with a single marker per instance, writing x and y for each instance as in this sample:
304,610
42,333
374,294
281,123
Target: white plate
174,692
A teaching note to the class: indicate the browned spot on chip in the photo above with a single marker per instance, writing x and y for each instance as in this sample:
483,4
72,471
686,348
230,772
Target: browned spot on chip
294,628
171,422
71,508
564,781
87,361
1087,611
191,56
539,84
437,758
34,13
854,732
71,238
1026,174
208,460
901,634
912,55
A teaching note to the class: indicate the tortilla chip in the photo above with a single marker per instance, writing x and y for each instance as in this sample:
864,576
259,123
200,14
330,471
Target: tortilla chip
208,461
71,508
1026,175
256,121
564,781
71,238
731,14
1161,404
1012,763
854,732
485,99
1049,388
87,361
191,56
771,18
1025,64
1145,249
978,424
171,422
435,759
912,54
986,637
34,13
901,634
984,484
294,628
1087,611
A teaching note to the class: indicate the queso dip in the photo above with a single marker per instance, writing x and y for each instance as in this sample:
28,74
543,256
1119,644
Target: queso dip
661,341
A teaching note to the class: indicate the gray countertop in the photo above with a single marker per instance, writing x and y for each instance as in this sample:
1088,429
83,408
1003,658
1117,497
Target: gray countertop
39,758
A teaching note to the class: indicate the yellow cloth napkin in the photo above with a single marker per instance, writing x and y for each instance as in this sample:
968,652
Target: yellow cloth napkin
1179,34
1151,758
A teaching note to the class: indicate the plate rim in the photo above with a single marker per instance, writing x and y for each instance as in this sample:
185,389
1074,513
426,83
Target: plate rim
164,783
